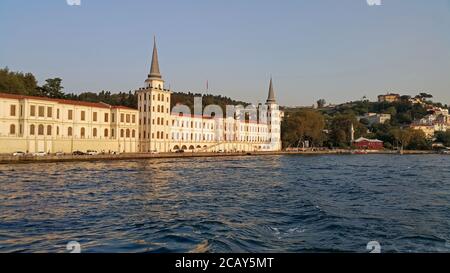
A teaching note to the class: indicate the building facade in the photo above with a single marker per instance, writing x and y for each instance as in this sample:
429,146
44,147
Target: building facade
162,129
390,97
38,124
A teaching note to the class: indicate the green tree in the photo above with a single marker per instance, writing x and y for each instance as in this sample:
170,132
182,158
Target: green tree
340,130
302,125
53,88
443,137
321,103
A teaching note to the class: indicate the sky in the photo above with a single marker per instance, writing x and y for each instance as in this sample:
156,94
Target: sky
337,50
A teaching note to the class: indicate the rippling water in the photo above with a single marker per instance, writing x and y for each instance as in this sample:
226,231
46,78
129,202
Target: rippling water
236,204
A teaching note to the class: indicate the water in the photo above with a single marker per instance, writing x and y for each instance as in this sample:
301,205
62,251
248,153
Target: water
236,204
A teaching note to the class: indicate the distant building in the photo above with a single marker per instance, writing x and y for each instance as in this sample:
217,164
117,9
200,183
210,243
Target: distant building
375,118
437,121
389,98
368,144
428,130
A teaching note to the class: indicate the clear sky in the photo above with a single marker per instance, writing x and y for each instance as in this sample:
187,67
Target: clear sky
339,50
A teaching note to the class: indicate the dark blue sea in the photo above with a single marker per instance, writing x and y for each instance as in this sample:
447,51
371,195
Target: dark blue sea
233,204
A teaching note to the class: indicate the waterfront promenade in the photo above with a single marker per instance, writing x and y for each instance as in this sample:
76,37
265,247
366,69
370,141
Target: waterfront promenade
10,159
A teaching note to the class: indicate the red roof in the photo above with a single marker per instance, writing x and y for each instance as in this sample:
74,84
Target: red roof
64,101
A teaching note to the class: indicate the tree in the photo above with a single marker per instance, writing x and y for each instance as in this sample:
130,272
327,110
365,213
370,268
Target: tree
52,88
303,125
340,130
17,83
443,137
321,103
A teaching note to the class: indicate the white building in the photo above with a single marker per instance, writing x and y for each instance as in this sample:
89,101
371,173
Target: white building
37,124
164,130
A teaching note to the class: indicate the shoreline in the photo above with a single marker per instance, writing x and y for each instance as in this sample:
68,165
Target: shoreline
9,159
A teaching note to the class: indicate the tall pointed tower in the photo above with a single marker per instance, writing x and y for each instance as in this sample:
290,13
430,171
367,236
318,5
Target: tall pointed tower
273,119
154,108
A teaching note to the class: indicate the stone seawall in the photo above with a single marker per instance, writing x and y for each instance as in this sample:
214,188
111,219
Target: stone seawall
9,159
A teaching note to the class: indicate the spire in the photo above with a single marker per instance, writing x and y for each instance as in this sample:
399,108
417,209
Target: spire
271,98
154,70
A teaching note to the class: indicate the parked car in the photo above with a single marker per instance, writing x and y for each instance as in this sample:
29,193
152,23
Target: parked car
179,151
18,154
91,152
40,154
78,153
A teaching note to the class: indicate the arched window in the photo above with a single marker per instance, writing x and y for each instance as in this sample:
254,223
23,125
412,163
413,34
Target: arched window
94,132
128,132
159,98
162,97
12,129
69,131
122,132
106,132
159,108
133,133
57,130
32,129
49,130
158,121
162,135
157,135
83,132
41,130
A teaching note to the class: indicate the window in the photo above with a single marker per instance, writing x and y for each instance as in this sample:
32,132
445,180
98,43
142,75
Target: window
57,113
41,130
134,119
32,110
12,129
128,132
106,117
94,116
83,132
83,115
69,131
112,132
133,134
32,128
49,130
12,111
70,114
94,132
57,130
106,132
128,118
122,117
113,117
121,133
41,111
49,112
